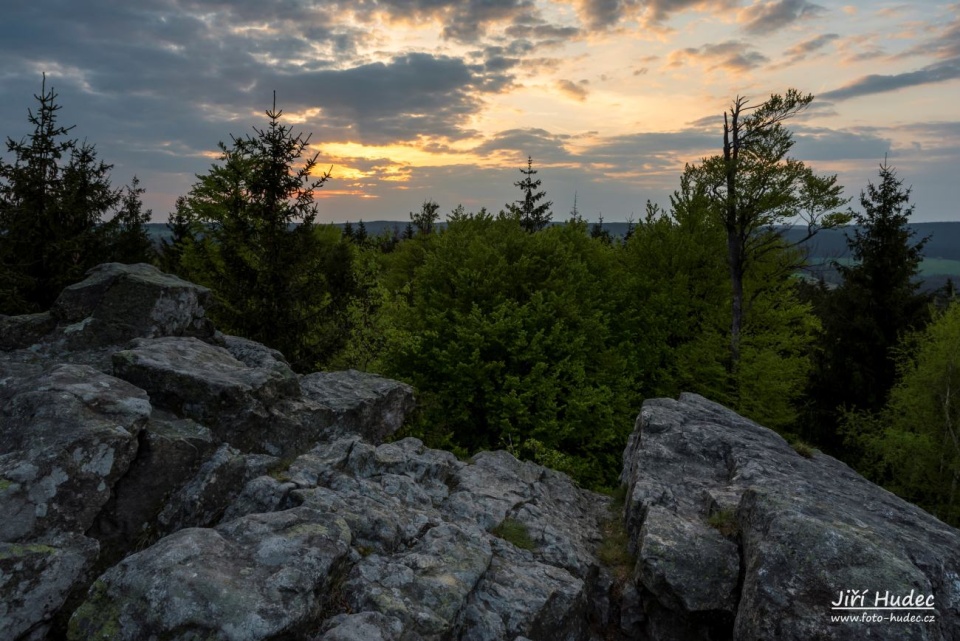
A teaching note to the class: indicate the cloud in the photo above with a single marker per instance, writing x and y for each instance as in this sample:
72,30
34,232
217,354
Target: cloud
577,91
876,83
801,50
543,146
733,55
771,15
599,15
818,144
413,95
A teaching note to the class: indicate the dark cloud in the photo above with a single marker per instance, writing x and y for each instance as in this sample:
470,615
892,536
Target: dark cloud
531,27
542,145
733,55
411,96
876,83
772,15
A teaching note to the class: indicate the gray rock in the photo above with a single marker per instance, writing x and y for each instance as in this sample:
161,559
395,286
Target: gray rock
19,332
426,587
359,403
204,499
37,577
206,383
170,453
66,436
119,302
365,626
807,529
519,596
687,564
253,578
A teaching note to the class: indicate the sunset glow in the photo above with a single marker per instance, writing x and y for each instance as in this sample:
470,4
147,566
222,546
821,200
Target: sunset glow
445,100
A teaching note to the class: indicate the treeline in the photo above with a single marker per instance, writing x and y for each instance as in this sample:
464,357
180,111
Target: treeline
544,338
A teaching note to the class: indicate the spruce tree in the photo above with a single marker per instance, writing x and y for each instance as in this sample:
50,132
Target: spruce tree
534,215
867,315
181,229
54,196
262,253
126,233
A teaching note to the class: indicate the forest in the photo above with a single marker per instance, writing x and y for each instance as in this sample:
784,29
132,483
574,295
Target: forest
538,332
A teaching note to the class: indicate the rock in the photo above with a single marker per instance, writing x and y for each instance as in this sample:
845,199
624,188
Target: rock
170,452
366,626
359,403
19,332
807,529
206,383
253,578
687,564
67,435
119,302
204,499
36,578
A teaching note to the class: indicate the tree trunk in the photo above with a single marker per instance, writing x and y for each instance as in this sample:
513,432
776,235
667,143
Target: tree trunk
731,150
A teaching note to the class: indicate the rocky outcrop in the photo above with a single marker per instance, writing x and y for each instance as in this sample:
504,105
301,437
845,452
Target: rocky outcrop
161,480
738,535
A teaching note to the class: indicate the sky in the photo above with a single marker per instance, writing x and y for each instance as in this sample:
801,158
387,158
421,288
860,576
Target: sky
409,100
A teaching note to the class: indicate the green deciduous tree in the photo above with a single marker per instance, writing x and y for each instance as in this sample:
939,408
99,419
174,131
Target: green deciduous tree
912,446
279,278
426,219
755,186
678,308
506,336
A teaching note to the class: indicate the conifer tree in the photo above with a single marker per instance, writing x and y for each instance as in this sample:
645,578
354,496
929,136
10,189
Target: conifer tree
181,228
534,215
876,304
127,237
54,198
274,273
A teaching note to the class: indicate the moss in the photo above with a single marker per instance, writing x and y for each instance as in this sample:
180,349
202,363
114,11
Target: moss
4,484
15,550
280,471
97,618
803,449
614,550
515,532
724,521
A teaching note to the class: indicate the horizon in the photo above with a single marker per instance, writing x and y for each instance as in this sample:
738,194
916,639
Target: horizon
444,100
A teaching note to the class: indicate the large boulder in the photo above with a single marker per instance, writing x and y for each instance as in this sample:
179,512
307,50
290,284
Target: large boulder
253,578
117,302
737,534
67,435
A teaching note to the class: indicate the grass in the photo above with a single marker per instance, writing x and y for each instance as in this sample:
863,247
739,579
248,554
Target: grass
724,521
803,449
515,532
614,550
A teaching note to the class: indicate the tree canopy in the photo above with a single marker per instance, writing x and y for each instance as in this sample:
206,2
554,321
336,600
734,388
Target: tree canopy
59,214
